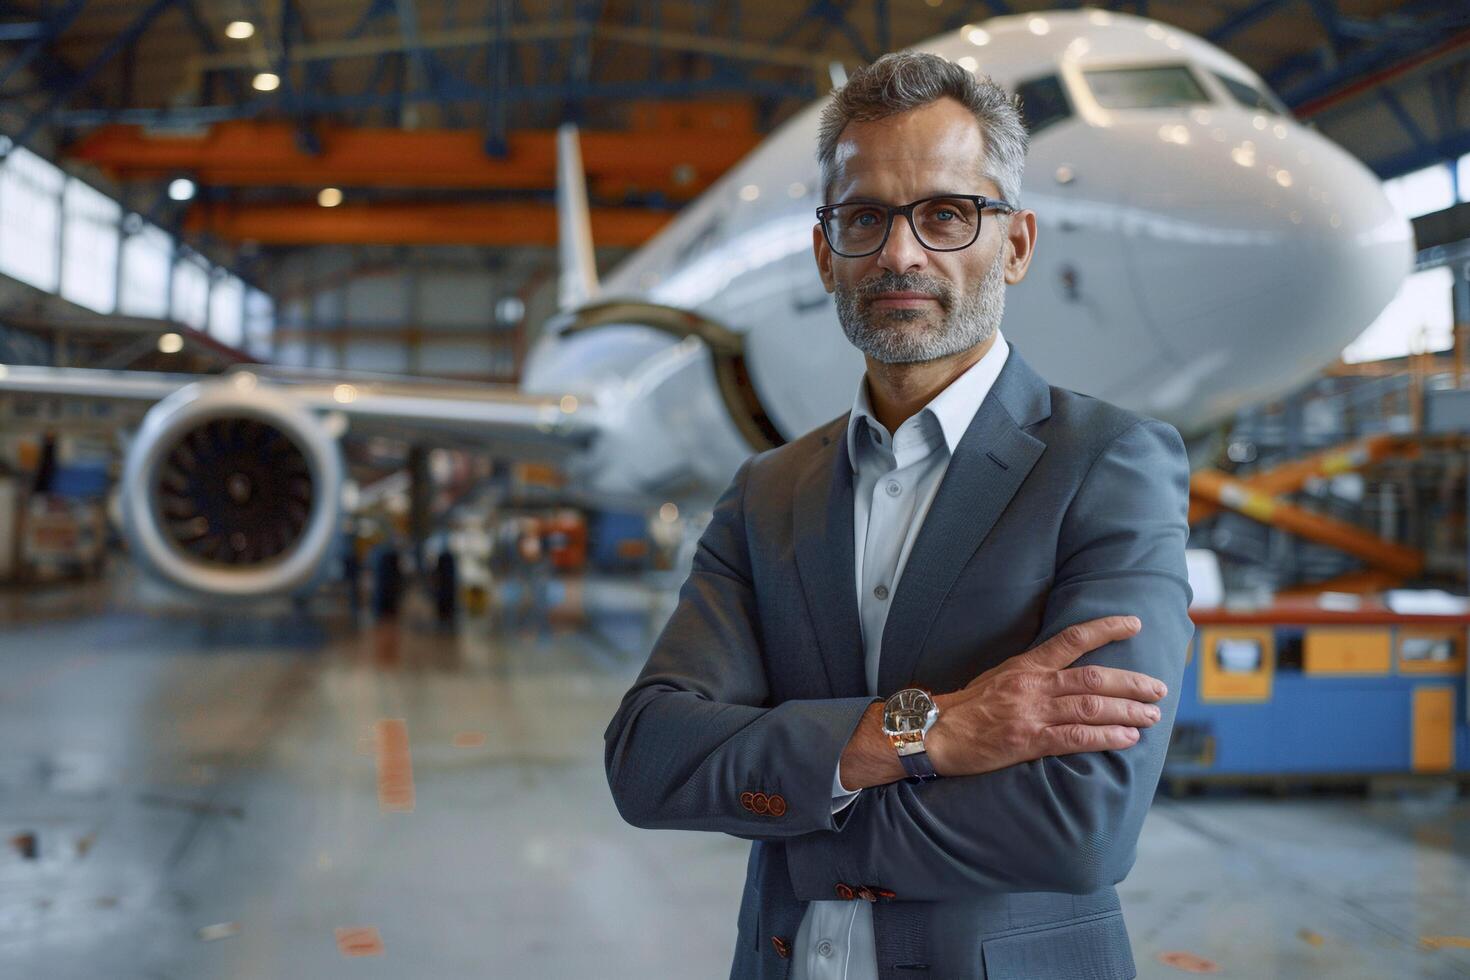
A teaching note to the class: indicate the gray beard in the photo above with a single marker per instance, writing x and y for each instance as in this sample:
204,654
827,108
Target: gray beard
885,336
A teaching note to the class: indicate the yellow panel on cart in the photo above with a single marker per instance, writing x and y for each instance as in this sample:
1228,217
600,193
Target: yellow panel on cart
1434,729
1347,650
1236,664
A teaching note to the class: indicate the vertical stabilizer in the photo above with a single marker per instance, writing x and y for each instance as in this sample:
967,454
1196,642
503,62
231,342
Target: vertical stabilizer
578,283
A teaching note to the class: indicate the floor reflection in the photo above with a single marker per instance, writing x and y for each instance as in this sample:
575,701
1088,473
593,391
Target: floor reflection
194,795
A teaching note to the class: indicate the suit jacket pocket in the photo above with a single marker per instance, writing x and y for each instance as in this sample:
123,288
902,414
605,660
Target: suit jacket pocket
1092,949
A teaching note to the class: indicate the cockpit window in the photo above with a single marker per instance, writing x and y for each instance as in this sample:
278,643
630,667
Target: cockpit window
1250,96
1145,88
1043,102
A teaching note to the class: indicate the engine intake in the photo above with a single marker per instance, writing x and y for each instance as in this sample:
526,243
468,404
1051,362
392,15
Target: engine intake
232,488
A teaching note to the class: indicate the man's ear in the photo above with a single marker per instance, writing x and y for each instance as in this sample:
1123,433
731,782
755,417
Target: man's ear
1020,243
823,255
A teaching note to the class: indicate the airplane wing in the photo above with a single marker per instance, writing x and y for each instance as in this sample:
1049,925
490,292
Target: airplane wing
494,417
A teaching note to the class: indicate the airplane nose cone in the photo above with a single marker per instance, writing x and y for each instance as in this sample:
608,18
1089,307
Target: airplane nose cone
1271,229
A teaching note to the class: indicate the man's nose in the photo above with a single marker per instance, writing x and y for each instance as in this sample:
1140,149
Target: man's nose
902,252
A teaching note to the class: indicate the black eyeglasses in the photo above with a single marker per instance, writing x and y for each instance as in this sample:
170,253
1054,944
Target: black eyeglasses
946,223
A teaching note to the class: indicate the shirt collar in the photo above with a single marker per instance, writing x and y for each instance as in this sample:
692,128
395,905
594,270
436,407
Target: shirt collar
954,407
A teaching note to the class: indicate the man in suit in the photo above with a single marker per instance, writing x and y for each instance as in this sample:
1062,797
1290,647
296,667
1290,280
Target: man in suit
924,655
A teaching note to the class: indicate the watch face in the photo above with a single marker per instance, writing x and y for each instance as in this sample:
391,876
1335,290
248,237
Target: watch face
910,710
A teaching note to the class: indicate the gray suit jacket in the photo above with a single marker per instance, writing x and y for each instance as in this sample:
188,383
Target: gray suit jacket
1056,508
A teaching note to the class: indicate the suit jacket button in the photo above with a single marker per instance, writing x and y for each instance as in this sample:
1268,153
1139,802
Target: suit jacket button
746,800
760,803
783,947
844,891
777,804
867,894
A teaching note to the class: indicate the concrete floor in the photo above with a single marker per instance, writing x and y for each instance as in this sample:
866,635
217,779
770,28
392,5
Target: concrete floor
196,796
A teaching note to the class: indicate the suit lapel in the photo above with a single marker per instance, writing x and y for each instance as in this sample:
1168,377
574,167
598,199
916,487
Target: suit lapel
822,512
989,465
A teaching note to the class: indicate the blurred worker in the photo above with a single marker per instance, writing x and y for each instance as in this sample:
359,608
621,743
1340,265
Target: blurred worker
536,579
446,585
876,666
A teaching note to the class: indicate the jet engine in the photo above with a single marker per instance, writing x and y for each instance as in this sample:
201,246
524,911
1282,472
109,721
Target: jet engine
231,488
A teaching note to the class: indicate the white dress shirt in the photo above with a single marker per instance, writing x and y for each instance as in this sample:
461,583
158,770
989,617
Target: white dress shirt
895,478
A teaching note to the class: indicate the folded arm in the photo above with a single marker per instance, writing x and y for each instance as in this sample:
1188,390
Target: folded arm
694,733
1062,823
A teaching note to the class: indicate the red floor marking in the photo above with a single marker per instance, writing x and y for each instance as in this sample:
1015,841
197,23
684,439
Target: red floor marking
395,767
1189,963
359,941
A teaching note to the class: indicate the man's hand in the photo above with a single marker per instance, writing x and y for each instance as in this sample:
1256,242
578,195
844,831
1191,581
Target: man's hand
1033,705
1036,704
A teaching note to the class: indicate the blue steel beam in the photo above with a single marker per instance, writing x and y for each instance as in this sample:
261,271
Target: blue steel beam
54,27
122,40
22,30
1406,122
497,65
206,40
1242,19
456,90
1441,151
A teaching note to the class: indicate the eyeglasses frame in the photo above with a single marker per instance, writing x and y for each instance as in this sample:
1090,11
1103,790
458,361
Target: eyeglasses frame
982,204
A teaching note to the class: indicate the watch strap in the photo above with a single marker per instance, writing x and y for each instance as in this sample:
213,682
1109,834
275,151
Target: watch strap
918,766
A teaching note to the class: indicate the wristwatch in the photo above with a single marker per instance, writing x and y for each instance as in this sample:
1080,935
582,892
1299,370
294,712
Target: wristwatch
907,718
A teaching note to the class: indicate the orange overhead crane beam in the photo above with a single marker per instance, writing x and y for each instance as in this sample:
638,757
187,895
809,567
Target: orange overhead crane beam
1292,476
416,224
1216,488
677,161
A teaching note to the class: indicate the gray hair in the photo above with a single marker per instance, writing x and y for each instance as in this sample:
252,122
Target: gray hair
908,80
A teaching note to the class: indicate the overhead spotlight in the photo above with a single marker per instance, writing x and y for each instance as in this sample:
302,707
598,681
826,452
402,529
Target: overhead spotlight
266,81
669,512
329,197
749,192
978,36
239,30
180,189
170,343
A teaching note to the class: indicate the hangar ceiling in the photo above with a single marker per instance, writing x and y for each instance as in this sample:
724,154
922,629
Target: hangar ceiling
435,119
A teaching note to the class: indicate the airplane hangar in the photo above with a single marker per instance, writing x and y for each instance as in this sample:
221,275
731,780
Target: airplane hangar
371,371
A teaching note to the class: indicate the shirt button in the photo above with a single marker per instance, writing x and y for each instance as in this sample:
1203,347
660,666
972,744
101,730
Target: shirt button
824,948
894,489
881,592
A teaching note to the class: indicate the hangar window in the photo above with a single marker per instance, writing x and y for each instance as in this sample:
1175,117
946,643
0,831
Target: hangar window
147,253
227,310
1145,88
1043,102
30,231
89,243
189,295
1251,97
260,323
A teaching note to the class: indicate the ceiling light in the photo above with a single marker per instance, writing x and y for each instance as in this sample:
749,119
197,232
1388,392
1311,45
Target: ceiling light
266,81
239,30
329,197
170,343
180,189
978,36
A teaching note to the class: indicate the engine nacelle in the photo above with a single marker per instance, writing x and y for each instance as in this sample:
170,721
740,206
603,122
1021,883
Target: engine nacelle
231,488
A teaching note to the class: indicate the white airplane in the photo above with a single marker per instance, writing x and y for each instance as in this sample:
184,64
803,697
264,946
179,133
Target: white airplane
1198,251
